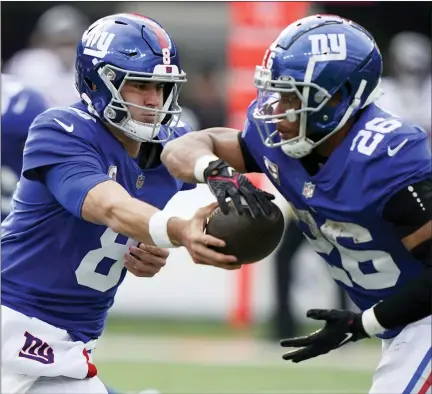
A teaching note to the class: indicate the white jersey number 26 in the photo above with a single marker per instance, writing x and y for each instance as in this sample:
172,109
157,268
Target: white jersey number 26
386,271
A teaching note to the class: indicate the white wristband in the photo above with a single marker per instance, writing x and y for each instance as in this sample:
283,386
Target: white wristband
158,230
370,322
201,165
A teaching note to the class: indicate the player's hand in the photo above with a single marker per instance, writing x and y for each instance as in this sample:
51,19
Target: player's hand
341,327
198,243
145,260
225,182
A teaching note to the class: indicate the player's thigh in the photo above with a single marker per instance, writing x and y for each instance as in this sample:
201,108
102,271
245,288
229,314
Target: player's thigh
68,386
14,383
405,366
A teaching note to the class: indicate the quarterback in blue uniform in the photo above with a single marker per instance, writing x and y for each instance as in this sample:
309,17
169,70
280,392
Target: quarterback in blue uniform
20,105
357,178
89,206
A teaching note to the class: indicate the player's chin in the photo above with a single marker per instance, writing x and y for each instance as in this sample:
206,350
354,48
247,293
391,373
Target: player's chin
287,134
145,118
286,137
148,119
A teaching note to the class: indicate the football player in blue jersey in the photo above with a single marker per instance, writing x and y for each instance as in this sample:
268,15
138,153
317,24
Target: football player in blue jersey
89,205
20,105
357,178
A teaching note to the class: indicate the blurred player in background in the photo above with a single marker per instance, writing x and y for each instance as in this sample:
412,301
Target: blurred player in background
407,91
20,105
88,206
48,64
359,182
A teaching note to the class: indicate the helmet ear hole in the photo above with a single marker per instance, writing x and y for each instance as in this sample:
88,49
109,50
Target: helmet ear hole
116,115
337,97
89,83
346,89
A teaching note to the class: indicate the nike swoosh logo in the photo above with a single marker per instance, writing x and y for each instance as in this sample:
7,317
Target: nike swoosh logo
69,128
20,105
392,151
230,171
348,336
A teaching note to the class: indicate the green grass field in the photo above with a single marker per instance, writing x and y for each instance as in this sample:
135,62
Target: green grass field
181,378
208,357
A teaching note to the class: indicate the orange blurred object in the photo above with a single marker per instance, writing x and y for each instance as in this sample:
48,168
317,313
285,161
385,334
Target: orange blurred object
253,27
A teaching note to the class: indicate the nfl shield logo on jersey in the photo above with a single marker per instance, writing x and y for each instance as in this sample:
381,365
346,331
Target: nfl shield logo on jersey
140,181
308,189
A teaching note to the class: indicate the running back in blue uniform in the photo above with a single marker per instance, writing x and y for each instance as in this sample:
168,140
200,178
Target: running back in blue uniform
357,178
89,206
339,209
20,105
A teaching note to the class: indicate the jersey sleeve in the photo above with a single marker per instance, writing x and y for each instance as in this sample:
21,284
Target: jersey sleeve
188,186
57,154
57,137
405,160
250,140
70,182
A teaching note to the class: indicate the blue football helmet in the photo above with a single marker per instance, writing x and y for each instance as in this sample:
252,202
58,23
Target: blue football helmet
315,57
129,47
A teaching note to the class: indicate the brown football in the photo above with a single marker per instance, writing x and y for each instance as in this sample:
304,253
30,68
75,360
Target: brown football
249,239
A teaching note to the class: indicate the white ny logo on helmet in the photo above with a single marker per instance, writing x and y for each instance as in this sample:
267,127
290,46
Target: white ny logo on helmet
328,46
97,42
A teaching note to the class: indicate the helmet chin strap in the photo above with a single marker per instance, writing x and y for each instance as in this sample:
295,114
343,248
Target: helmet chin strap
298,149
90,107
136,130
355,103
375,95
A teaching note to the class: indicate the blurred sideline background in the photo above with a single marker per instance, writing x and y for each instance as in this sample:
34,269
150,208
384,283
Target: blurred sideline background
195,329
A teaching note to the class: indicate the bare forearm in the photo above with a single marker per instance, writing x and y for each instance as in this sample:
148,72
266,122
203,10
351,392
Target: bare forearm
181,154
131,219
110,204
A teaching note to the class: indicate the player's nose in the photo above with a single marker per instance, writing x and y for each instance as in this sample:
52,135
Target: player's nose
280,109
151,96
288,110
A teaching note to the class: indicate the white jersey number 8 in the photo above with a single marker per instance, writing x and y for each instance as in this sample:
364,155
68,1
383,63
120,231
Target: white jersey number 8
86,272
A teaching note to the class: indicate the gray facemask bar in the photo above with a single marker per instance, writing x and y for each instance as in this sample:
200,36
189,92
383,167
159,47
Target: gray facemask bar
301,145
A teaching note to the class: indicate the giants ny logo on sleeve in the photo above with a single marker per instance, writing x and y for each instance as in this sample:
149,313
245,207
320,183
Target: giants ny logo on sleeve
328,46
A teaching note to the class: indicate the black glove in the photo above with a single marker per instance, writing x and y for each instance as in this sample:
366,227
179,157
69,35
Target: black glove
225,182
340,328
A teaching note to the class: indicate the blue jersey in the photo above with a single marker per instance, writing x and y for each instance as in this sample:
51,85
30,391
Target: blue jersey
56,266
20,105
339,209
